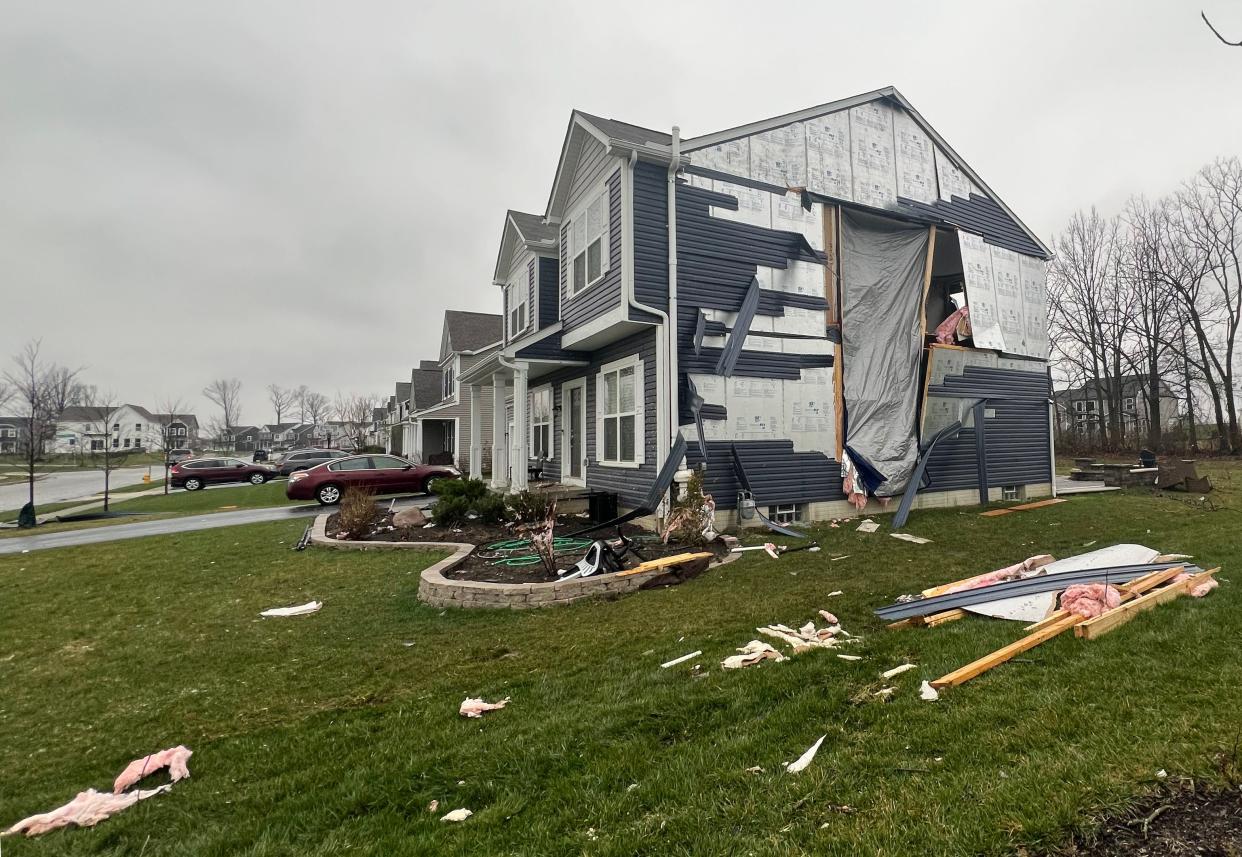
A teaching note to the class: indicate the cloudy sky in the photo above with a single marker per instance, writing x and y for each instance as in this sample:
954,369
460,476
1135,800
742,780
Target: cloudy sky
293,192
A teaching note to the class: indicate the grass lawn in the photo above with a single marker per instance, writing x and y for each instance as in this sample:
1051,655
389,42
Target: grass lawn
329,734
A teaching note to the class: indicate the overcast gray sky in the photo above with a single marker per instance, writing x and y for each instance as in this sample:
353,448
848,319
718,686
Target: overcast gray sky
294,192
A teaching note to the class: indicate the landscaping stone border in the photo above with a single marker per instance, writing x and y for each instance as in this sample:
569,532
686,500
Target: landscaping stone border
439,591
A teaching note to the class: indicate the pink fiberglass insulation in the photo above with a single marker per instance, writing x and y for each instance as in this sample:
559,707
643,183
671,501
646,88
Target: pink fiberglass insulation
948,331
1199,589
174,758
86,810
1090,599
1017,571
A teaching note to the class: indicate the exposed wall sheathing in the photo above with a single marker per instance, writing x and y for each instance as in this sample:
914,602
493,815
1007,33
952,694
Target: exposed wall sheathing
1008,297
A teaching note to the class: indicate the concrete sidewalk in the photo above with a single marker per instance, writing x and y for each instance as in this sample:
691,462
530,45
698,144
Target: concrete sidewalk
172,526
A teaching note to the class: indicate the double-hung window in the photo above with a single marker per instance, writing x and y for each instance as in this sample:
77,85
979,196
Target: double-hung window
518,318
619,418
541,423
588,244
450,384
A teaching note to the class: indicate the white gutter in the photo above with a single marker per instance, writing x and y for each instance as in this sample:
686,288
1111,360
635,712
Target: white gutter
664,339
674,388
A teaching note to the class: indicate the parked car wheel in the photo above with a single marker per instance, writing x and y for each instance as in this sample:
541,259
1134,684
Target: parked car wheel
257,478
193,483
328,495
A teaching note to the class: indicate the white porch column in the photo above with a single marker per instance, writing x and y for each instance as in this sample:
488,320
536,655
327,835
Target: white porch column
500,457
476,432
518,443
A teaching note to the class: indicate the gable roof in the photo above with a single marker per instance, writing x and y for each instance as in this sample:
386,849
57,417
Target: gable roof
428,388
528,230
95,413
433,365
976,213
469,331
402,391
188,420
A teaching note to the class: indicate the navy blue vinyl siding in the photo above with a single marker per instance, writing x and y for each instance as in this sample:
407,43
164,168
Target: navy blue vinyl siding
650,239
548,285
606,294
549,348
981,215
777,474
1017,436
631,483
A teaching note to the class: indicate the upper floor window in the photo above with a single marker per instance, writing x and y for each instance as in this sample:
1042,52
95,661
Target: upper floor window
587,244
450,386
1080,406
516,301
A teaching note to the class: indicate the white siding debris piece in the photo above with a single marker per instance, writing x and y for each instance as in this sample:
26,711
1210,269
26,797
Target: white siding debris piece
457,815
928,693
675,661
906,537
896,671
300,610
801,763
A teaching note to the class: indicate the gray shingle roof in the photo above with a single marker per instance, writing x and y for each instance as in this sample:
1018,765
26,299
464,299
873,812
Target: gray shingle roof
429,364
470,331
403,391
625,131
428,387
532,227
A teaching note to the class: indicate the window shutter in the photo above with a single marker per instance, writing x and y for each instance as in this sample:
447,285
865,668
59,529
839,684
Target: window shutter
599,417
640,409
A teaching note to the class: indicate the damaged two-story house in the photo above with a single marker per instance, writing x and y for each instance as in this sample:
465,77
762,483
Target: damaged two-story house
762,303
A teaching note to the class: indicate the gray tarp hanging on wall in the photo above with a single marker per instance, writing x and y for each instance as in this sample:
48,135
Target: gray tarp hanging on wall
882,266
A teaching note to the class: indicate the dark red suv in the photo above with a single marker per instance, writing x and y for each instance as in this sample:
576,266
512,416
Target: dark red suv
382,474
200,472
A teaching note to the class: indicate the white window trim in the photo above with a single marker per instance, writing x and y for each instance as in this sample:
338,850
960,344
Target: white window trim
600,190
519,286
530,428
639,412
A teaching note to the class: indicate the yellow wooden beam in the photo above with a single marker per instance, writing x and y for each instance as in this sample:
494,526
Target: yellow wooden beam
1118,616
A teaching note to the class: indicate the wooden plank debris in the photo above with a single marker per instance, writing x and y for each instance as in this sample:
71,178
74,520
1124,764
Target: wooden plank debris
1118,616
1129,590
1038,504
663,562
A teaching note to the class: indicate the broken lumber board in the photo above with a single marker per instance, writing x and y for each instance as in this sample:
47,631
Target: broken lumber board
927,621
994,513
985,663
1038,504
663,562
1128,590
1118,616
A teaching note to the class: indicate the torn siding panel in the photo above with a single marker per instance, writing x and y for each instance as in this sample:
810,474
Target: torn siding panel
777,473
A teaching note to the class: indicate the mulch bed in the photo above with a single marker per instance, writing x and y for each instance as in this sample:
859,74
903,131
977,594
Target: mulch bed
1176,824
484,570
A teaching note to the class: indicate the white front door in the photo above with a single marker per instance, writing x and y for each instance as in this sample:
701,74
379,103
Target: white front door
573,432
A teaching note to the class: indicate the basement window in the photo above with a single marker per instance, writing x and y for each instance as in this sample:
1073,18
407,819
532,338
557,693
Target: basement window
786,513
1011,492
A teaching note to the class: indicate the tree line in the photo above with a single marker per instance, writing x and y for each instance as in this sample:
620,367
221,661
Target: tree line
351,412
1155,293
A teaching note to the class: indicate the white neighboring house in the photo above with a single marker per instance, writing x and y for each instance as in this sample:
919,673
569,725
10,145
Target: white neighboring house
10,430
81,428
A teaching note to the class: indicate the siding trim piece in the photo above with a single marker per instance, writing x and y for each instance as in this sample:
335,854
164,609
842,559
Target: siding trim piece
737,336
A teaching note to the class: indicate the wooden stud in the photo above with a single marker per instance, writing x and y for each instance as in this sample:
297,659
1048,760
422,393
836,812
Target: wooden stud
1030,641
1128,590
1118,616
663,562
937,619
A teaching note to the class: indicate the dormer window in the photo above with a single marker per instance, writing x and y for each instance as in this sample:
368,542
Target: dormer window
515,299
587,244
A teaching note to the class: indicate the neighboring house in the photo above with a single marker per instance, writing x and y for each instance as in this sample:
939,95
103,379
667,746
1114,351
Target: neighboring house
398,411
83,428
745,289
10,431
440,420
376,435
1085,409
246,438
330,434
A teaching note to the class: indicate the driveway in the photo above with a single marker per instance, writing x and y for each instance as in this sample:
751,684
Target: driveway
172,526
58,487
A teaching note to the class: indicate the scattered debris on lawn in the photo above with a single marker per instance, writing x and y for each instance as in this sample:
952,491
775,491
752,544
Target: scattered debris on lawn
433,806
474,707
175,759
675,661
1099,591
751,654
885,692
300,610
927,692
755,769
906,537
896,671
800,764
457,815
1181,476
1038,504
867,526
850,657
90,807
835,592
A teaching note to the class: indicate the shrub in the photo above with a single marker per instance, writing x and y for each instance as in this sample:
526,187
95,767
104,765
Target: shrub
358,513
462,501
532,506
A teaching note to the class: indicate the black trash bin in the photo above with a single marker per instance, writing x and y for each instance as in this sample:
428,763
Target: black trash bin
602,506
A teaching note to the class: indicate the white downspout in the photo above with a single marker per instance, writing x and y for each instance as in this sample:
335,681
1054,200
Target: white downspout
674,389
664,435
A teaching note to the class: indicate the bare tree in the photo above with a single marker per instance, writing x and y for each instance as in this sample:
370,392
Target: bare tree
282,400
225,394
354,412
101,448
299,399
31,383
317,407
170,410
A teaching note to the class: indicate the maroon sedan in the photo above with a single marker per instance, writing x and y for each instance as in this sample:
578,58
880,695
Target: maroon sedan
200,472
381,474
